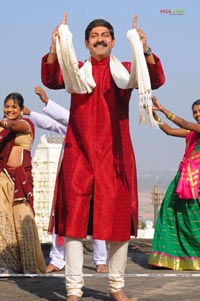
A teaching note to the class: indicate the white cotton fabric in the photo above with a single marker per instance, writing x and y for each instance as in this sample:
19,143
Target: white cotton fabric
80,80
74,280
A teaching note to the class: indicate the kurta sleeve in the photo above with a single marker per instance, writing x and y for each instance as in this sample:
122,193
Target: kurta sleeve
45,122
56,112
156,73
51,74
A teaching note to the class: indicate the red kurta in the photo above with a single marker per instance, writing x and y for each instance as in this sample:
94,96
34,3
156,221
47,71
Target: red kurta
98,158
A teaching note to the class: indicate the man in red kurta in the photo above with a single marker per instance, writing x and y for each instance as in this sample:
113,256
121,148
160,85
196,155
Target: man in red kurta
97,186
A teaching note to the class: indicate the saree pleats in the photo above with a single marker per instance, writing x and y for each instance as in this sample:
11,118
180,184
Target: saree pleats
176,242
20,249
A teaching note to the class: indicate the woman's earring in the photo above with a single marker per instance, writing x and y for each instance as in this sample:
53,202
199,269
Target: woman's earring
21,114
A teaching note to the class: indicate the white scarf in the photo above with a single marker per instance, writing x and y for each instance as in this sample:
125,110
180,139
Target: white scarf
80,80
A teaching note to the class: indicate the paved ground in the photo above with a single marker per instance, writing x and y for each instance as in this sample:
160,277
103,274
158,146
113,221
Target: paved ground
142,283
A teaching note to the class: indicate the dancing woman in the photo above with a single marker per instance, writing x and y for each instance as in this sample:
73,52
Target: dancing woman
176,239
20,249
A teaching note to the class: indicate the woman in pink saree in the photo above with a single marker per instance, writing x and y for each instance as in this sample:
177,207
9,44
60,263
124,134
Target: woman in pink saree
177,237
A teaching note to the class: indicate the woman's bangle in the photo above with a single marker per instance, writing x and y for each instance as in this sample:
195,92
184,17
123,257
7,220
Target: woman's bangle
160,121
171,116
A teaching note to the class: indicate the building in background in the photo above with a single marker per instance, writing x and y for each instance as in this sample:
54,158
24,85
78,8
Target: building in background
45,162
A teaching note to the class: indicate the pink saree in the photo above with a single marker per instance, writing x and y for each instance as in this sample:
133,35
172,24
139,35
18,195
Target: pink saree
189,182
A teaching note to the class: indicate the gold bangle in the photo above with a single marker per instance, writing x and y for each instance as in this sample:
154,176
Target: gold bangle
160,121
171,116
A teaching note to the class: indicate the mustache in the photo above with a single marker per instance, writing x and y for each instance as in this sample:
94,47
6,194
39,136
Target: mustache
100,43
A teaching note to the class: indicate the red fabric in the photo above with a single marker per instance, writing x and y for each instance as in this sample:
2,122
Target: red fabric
6,143
98,158
189,181
22,175
60,240
51,226
53,207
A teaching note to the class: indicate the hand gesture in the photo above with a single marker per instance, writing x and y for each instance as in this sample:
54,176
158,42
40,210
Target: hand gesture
42,94
55,32
141,33
26,111
156,105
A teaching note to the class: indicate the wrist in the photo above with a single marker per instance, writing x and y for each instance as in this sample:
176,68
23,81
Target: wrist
3,123
52,49
52,52
148,51
171,116
160,121
163,110
45,100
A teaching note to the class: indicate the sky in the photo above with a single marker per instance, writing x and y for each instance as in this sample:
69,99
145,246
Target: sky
25,31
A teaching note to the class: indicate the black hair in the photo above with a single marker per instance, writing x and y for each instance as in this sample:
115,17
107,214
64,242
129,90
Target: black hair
197,102
17,97
96,23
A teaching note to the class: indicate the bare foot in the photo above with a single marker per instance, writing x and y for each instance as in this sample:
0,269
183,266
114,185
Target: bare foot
73,298
101,268
52,268
119,296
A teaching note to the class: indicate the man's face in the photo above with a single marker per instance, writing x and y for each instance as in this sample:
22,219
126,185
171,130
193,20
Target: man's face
100,42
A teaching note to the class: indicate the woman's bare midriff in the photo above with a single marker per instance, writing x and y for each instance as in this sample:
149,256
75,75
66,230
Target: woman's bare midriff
16,157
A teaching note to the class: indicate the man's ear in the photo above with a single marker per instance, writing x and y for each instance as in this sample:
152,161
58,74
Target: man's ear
113,43
86,44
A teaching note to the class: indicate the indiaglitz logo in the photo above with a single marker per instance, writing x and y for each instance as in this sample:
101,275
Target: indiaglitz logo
172,11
